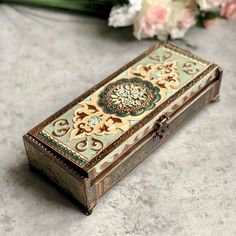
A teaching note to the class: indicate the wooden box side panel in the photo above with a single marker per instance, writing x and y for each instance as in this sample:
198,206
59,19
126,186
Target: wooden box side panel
123,166
44,162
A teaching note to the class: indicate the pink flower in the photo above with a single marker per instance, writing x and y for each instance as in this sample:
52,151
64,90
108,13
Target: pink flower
151,20
208,23
154,17
228,9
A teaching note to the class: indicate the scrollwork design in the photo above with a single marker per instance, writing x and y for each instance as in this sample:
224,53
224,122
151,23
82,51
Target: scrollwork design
81,146
190,68
156,57
97,145
89,143
61,127
90,119
164,75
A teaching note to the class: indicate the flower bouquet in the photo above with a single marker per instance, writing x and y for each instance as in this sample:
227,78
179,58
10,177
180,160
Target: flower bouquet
150,18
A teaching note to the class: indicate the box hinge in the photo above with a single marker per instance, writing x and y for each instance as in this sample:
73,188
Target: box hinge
161,127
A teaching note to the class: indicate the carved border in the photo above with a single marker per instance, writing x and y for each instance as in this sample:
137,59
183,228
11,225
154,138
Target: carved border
185,53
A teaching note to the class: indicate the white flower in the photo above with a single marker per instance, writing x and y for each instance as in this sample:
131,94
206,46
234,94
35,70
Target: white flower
122,16
136,5
209,4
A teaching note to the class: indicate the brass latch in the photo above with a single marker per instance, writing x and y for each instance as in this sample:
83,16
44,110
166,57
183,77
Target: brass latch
161,127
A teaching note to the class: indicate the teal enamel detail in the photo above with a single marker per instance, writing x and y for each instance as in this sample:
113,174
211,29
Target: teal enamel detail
129,97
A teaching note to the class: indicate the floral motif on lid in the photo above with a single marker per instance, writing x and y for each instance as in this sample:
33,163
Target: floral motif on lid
129,97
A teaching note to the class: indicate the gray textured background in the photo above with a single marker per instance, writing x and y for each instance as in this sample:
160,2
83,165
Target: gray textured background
187,187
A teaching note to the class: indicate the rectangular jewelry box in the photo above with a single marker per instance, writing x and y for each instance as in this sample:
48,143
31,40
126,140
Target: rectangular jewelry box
97,139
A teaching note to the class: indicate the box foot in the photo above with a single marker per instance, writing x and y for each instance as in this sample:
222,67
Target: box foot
216,98
89,210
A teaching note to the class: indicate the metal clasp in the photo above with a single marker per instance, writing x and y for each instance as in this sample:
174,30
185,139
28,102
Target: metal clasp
161,127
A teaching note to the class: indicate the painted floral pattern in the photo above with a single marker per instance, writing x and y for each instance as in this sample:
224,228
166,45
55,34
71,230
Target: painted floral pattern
90,119
129,97
164,75
125,99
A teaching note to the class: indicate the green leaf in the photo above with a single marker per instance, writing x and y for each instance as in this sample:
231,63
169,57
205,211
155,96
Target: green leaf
206,15
94,7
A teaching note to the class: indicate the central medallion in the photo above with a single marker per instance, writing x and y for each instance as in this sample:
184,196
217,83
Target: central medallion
129,97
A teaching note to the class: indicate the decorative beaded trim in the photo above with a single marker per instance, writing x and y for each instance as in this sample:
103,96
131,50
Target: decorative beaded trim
185,53
61,148
57,160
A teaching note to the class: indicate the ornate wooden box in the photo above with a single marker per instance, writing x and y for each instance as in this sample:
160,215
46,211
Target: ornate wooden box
90,144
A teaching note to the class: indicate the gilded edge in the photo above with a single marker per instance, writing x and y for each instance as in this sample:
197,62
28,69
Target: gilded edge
131,131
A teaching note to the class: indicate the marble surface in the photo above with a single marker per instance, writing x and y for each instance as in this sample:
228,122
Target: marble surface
187,187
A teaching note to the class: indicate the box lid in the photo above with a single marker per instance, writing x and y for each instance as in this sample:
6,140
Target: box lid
98,122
